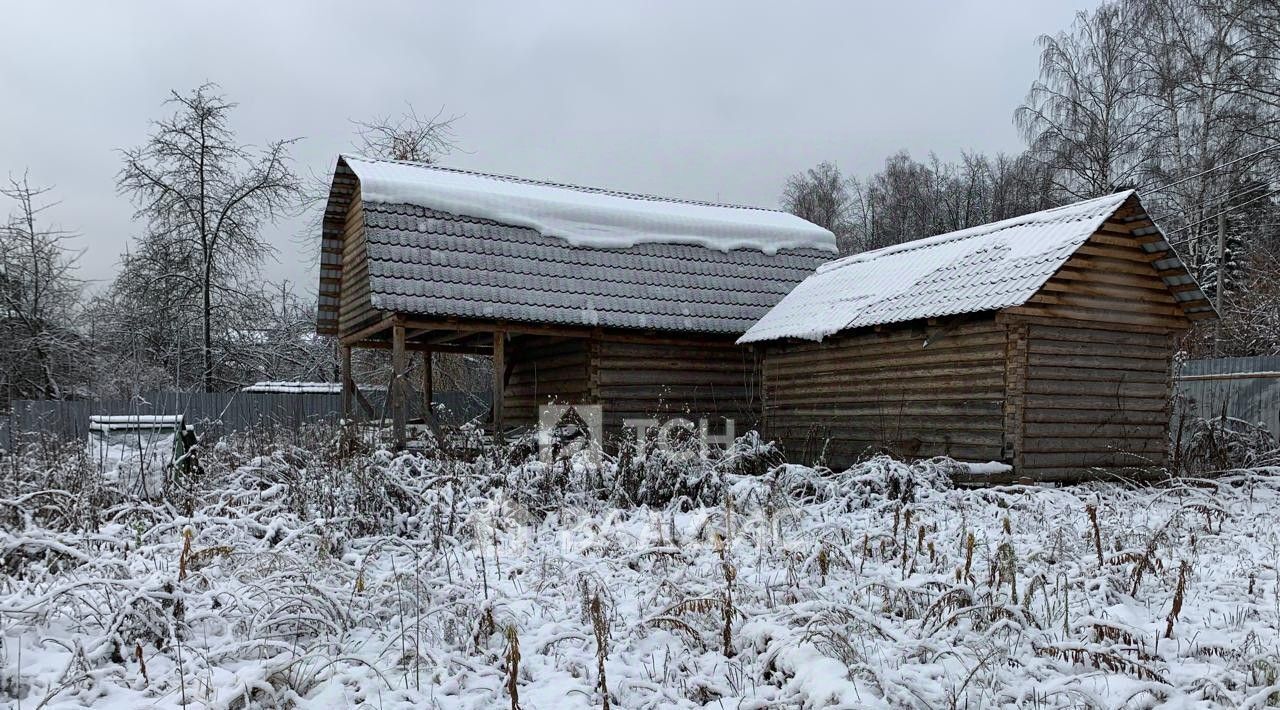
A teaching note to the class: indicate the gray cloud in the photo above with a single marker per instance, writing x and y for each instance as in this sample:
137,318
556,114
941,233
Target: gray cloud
708,100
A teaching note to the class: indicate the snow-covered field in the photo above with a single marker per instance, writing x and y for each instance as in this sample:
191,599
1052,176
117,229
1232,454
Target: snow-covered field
293,575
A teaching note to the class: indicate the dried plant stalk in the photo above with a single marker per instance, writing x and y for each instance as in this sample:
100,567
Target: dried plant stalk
1092,510
513,666
601,629
1178,593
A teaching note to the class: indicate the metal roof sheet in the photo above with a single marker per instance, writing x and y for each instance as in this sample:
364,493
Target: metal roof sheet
984,268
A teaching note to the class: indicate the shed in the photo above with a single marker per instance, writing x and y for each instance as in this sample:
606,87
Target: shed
1044,341
580,295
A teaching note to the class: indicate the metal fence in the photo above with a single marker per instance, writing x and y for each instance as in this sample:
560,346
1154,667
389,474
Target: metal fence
1245,388
213,413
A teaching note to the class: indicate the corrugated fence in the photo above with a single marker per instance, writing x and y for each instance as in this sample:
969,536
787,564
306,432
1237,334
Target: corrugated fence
214,412
1247,387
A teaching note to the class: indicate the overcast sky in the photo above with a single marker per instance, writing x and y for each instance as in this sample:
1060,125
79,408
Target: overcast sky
703,100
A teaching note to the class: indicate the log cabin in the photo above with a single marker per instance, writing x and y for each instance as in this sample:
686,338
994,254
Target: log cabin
579,295
1043,341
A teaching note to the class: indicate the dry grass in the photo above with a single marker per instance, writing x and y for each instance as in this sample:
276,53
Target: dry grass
312,574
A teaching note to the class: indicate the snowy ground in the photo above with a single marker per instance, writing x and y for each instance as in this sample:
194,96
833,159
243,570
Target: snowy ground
293,576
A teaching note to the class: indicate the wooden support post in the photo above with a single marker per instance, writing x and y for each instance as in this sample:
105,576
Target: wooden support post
348,384
428,385
499,379
397,384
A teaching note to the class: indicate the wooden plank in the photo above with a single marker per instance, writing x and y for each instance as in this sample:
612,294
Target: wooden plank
490,326
421,347
889,398
1097,374
1114,291
397,389
1170,323
1080,273
1084,385
1083,347
1095,430
1132,253
499,379
1010,317
850,364
959,408
348,384
1090,362
1108,304
365,333
1073,334
651,377
1100,416
1053,444
782,373
1086,460
428,384
1050,401
868,349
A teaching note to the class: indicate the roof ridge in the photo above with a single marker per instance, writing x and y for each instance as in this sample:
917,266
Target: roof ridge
561,185
971,232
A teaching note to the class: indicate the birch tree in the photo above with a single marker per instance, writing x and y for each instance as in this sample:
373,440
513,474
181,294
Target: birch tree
1083,116
1207,79
199,190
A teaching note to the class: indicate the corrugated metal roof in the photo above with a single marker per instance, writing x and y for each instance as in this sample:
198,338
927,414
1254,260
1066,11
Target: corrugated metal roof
984,268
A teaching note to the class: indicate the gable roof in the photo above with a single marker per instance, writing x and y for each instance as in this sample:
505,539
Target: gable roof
984,268
451,243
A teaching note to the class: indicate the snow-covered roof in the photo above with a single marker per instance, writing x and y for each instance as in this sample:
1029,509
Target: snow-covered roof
103,422
985,268
294,387
584,216
444,243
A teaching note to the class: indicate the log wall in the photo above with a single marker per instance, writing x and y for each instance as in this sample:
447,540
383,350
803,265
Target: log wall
355,307
1100,341
659,378
544,370
888,391
1095,398
634,377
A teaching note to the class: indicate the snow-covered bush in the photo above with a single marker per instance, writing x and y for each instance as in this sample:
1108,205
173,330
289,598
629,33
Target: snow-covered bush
1222,443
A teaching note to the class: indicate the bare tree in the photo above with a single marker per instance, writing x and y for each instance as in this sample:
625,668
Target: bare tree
909,199
1207,86
406,137
1083,116
208,196
821,195
39,295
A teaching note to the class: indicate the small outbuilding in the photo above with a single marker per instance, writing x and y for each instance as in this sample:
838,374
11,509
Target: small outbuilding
1043,341
580,295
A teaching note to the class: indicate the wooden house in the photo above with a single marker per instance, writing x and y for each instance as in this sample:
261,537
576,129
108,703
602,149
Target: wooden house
1043,341
580,295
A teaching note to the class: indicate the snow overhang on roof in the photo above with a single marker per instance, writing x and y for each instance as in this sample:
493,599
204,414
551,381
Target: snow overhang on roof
269,387
984,268
583,216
